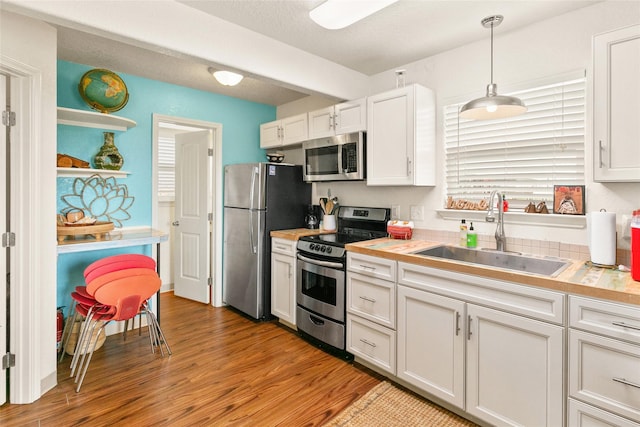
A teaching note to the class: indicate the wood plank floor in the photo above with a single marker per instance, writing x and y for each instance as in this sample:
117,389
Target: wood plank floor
225,370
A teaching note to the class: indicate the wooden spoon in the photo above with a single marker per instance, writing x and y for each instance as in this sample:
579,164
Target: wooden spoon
323,202
329,206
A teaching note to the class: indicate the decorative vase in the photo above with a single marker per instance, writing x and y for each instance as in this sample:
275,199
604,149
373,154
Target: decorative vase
108,157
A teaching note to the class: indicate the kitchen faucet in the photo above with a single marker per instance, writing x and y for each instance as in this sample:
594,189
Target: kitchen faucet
501,239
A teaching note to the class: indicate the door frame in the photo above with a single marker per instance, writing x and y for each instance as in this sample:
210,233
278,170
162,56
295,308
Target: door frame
216,245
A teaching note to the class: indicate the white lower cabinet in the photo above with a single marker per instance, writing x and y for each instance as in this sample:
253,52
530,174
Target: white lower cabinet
604,357
583,415
431,343
371,311
283,280
497,365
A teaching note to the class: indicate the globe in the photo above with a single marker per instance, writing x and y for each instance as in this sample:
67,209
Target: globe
103,90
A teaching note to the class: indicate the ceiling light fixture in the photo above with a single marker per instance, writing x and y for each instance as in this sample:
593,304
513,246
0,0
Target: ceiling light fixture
226,78
337,14
492,106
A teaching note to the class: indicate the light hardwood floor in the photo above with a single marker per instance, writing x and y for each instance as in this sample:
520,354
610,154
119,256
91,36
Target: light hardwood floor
225,370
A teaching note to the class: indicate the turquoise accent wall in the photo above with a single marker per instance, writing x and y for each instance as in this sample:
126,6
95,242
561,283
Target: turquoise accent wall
240,144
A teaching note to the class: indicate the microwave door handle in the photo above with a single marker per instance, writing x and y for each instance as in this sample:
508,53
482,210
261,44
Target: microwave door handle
341,168
321,263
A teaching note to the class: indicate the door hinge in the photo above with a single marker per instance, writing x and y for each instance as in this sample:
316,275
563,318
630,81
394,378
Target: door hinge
9,118
210,281
210,152
8,239
210,216
8,361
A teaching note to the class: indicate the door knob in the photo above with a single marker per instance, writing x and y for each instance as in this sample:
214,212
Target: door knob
175,223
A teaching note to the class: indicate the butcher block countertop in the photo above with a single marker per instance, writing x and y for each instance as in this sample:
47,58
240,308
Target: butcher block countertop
579,278
296,233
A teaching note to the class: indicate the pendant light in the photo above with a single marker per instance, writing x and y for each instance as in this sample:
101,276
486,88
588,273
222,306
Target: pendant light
492,106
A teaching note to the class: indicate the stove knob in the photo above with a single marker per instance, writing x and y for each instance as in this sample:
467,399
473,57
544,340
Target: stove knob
323,248
329,250
312,246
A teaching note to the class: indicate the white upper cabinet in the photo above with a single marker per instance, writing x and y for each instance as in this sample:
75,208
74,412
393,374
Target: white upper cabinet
401,137
290,131
616,105
342,118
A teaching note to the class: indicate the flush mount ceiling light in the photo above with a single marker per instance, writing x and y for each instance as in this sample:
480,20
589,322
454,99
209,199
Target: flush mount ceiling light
492,106
337,14
226,78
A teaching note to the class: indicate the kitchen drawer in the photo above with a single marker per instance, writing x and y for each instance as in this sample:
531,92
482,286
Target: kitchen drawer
372,343
372,266
605,373
283,246
372,298
618,321
518,299
583,415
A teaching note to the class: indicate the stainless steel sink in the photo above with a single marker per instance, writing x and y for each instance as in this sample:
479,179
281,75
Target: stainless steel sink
511,261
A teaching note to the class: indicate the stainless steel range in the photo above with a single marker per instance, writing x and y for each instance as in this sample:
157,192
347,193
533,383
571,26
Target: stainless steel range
321,278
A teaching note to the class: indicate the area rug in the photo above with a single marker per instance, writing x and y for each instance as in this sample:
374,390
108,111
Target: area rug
388,406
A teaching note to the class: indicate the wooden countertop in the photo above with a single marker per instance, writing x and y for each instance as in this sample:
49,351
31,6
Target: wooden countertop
579,278
296,233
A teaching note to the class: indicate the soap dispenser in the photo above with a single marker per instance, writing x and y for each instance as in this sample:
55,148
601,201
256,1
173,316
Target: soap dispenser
472,237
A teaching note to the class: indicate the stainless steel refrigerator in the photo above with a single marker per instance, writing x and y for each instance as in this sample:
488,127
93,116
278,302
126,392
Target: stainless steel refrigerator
258,198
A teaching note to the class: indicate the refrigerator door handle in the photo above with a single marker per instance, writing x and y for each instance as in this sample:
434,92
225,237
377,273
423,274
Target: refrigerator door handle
254,247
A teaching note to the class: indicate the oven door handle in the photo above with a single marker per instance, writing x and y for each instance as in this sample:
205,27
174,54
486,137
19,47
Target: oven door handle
321,263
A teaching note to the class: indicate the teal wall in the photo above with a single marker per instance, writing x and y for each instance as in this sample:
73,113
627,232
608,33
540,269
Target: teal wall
240,122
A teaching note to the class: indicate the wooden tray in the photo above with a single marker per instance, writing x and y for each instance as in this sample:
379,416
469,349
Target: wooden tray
98,230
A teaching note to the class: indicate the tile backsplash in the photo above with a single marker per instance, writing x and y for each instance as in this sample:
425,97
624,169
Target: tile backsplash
526,246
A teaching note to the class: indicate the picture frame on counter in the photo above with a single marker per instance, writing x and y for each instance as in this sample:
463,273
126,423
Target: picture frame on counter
569,199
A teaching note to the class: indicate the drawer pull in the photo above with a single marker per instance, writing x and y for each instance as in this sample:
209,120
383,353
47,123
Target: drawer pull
625,382
624,325
367,298
372,344
367,267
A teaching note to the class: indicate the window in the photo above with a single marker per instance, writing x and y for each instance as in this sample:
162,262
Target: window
166,167
522,156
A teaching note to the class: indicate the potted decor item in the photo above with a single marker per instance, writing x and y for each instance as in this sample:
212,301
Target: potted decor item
108,157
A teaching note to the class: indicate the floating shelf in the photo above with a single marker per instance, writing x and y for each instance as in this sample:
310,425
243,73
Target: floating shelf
92,119
77,172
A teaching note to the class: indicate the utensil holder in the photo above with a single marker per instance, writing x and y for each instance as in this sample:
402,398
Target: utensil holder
329,222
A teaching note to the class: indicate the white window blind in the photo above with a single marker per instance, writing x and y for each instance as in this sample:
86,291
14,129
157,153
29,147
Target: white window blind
522,156
166,167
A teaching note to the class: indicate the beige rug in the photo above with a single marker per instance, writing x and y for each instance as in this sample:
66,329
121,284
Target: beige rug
388,406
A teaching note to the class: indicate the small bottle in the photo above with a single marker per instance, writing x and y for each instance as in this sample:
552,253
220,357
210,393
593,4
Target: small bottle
472,237
635,245
463,233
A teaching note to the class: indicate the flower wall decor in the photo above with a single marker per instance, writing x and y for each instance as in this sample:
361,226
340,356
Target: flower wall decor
102,198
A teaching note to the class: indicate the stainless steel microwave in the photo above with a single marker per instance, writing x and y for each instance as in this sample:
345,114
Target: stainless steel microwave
335,158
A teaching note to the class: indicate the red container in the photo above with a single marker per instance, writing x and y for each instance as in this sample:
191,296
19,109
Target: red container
635,252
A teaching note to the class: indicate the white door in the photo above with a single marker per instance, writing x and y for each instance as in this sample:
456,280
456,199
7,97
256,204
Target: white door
3,258
194,181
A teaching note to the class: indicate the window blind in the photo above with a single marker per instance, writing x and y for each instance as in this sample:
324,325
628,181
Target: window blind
166,167
522,156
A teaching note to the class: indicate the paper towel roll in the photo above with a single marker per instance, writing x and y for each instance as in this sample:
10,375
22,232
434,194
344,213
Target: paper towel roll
601,229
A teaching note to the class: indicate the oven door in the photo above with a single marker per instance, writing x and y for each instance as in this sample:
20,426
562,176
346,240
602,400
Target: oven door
320,287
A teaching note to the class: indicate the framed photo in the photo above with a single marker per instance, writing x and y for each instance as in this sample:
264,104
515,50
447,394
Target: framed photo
568,199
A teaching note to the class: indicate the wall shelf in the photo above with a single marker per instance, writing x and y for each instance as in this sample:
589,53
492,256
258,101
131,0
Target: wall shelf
92,119
83,172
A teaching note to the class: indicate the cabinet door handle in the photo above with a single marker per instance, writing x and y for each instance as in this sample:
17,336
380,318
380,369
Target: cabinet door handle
367,298
175,223
372,344
290,272
335,121
625,382
468,327
624,325
457,323
600,149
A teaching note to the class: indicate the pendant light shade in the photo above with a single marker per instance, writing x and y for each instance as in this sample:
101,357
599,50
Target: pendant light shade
492,106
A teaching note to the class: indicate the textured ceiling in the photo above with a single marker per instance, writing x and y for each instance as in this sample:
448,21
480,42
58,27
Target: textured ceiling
400,34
